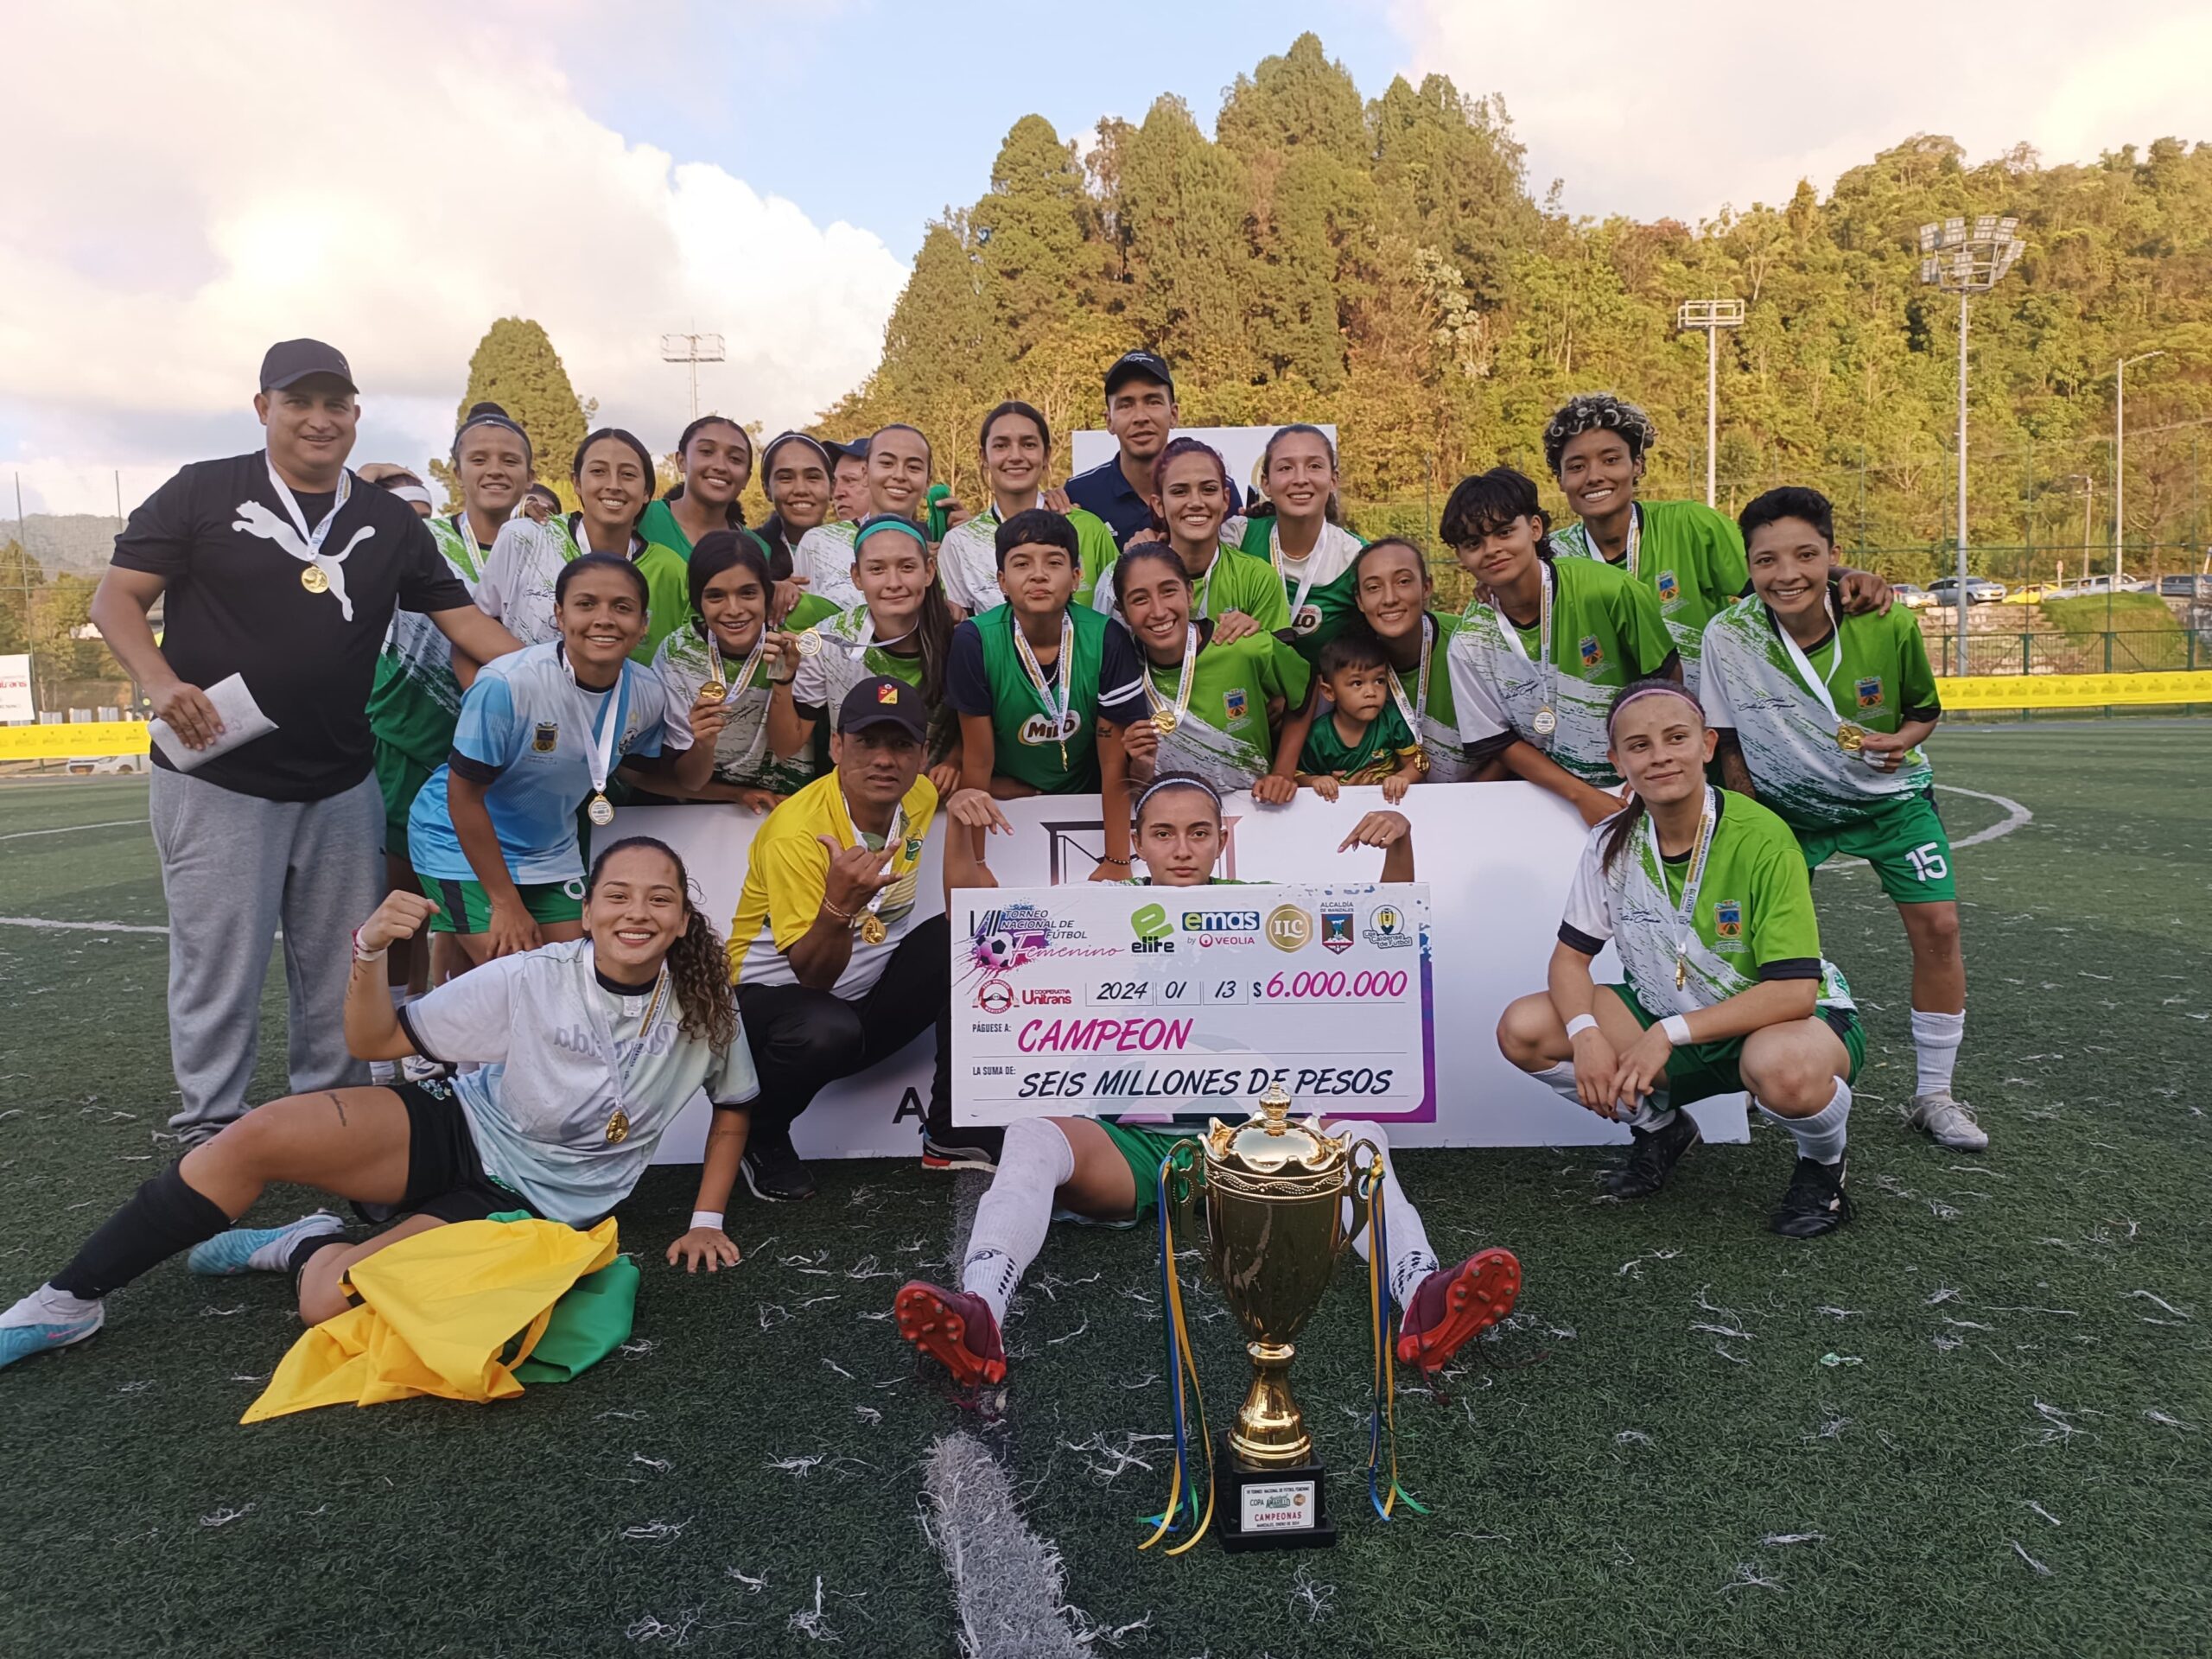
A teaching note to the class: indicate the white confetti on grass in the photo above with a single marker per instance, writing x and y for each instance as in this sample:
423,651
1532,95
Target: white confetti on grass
656,1532
2041,1570
2160,1301
647,1628
1779,1538
2165,1421
753,1585
1634,1264
1105,1460
2031,1504
1316,1601
225,1514
1748,1578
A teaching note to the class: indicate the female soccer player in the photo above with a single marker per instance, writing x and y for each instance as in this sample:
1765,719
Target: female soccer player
1016,446
614,475
795,473
1821,714
1107,1171
493,835
901,627
1214,703
588,1050
722,665
716,455
1534,671
1190,504
897,485
1300,532
1705,895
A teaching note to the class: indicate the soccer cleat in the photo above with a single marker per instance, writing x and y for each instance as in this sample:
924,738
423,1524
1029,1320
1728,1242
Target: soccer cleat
1948,1122
1450,1307
953,1327
21,1341
774,1170
1653,1158
259,1249
1815,1203
417,1068
967,1148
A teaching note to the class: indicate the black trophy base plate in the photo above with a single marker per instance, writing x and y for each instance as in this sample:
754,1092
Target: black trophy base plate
1286,1506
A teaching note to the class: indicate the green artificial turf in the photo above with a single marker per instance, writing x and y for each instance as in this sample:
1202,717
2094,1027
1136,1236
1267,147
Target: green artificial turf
2011,1452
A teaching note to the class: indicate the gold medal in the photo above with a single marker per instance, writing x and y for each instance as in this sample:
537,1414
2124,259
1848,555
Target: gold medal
1682,972
1164,721
601,811
872,932
713,692
1849,738
808,644
618,1127
1546,723
314,580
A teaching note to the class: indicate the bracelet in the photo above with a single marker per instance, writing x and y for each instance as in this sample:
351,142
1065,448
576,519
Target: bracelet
1580,1023
1676,1028
1123,863
843,915
711,1219
360,954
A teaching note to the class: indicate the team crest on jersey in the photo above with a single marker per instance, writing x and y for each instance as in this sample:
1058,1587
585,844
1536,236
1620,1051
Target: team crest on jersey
1870,694
1669,589
1728,919
1040,729
1232,704
548,738
1591,655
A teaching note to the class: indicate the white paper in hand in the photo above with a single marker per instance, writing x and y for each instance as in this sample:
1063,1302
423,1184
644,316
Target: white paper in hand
242,721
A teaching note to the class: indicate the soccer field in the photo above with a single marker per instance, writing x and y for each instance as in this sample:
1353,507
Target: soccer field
1978,1420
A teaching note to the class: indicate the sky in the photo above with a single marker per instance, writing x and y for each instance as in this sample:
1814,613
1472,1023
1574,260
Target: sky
214,175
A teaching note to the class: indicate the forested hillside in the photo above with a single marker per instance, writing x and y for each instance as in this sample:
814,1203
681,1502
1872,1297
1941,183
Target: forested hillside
1383,263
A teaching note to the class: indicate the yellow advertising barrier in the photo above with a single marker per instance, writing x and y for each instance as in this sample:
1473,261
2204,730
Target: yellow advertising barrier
2073,690
84,738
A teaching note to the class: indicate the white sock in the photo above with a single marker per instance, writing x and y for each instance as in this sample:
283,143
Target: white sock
1652,1114
1936,1040
1411,1258
1820,1136
1012,1219
1559,1079
275,1256
47,1303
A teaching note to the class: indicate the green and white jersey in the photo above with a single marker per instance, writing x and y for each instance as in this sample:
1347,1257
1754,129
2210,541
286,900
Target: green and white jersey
824,557
968,561
1223,733
1382,749
845,654
1787,707
1690,558
1233,582
1751,912
1331,557
742,756
415,700
520,576
1605,631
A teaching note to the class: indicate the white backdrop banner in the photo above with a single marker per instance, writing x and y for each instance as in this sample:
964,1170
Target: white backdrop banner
1242,449
16,702
1497,860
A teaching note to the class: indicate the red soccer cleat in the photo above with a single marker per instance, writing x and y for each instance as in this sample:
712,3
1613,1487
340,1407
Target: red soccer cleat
955,1329
1451,1306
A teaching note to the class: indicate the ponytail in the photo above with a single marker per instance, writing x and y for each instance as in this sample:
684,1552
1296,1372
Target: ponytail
1617,832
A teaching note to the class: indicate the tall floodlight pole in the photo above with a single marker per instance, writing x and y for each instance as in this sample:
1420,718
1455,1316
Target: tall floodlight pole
1966,257
2120,464
1712,316
691,349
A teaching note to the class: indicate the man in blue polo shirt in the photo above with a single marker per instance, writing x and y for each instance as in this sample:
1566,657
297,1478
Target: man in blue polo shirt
1140,414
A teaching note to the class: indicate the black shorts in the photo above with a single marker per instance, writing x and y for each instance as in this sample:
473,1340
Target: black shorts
445,1178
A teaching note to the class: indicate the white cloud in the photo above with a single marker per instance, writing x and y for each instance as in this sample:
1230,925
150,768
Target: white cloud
213,177
1674,111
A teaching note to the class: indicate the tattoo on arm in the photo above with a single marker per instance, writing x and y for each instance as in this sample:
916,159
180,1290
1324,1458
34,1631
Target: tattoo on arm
340,1105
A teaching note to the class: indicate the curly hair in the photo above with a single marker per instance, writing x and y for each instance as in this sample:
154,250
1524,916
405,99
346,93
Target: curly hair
697,964
1593,412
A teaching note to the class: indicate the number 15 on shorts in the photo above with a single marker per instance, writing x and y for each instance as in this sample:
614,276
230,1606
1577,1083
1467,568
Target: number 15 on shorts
1929,862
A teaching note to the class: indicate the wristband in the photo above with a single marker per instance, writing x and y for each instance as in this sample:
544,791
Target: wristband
710,1219
1676,1028
1580,1023
360,954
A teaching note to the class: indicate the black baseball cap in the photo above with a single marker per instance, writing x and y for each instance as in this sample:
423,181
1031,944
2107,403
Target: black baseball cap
882,700
289,361
1139,365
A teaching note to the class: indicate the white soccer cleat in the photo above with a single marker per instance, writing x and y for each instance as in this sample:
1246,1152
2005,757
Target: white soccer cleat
1948,1122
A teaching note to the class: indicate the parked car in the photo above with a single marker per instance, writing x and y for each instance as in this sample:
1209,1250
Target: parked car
98,766
2033,592
1912,595
1981,590
2185,587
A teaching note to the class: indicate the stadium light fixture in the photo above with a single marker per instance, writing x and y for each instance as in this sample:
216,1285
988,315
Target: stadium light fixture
1712,316
1966,261
693,350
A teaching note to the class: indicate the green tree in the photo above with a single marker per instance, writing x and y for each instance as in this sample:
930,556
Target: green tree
21,579
515,366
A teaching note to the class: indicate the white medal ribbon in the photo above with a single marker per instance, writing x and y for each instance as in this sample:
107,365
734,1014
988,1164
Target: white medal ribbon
1630,555
1547,671
603,1031
301,542
599,752
891,839
1306,582
1045,689
743,682
1816,682
1693,878
867,633
1180,707
1415,710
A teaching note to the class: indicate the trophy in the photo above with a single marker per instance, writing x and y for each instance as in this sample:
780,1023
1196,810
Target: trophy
1274,1195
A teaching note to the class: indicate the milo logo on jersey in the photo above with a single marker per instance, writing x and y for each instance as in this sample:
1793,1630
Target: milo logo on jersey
1041,729
1307,620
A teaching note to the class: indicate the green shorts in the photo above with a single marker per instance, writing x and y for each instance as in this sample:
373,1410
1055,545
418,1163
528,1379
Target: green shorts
1144,1145
1905,844
1700,1070
465,907
401,777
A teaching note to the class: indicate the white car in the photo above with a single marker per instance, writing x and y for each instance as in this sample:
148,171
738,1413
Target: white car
1912,595
100,765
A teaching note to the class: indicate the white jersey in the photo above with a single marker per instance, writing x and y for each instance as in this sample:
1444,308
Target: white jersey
525,562
845,654
559,1055
824,557
968,561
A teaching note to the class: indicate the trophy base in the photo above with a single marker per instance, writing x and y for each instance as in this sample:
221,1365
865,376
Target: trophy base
1281,1507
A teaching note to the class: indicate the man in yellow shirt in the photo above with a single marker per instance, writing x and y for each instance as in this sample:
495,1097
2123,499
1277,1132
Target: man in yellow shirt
834,971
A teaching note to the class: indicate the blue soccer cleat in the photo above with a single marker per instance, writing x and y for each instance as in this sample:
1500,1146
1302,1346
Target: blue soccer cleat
21,1341
259,1249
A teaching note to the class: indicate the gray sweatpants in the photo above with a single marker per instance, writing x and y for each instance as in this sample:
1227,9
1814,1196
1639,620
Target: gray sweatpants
234,868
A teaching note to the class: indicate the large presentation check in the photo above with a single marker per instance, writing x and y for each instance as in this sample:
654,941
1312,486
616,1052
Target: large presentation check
1088,999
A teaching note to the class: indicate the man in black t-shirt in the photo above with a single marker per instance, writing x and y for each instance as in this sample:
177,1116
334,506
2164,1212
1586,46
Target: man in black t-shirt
283,568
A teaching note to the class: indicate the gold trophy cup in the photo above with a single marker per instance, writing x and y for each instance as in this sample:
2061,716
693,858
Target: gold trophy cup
1274,1207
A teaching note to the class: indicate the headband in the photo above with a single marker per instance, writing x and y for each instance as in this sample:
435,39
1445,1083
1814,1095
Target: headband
413,493
1662,688
889,521
1176,780
488,418
768,454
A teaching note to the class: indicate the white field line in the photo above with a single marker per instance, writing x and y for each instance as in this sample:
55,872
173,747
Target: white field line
2016,817
43,924
70,829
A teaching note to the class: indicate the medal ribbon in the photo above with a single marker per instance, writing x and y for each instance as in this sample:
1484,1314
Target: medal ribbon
605,1032
1415,711
1685,912
472,550
1035,670
1306,582
600,751
891,839
1817,682
743,680
312,539
1548,671
1182,704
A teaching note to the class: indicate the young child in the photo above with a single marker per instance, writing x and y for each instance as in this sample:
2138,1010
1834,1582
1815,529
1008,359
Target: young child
1820,713
1363,738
